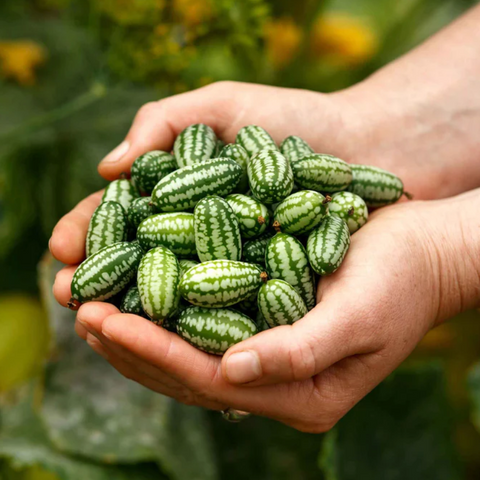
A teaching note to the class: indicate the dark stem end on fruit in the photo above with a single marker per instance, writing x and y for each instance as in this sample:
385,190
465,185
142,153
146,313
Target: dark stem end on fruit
351,212
409,195
264,277
261,220
276,225
328,199
73,304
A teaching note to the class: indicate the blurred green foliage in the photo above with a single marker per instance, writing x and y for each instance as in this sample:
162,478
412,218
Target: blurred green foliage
72,75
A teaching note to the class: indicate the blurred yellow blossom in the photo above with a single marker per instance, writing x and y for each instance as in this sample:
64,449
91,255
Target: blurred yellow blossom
193,12
344,39
132,12
19,60
283,38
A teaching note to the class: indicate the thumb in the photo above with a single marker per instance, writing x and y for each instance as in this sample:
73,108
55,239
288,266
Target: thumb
296,352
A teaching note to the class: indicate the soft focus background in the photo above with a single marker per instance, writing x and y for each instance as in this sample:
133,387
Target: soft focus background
72,75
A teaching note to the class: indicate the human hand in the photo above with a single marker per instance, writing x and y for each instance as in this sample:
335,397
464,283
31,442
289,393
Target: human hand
412,266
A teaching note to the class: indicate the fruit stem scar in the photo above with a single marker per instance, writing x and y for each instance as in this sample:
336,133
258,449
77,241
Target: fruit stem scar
123,176
409,195
261,220
351,211
276,225
73,304
328,199
264,277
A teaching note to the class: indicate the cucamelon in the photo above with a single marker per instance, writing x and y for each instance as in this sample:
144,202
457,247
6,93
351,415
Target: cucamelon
294,148
254,250
195,144
121,191
131,303
240,155
252,215
140,209
150,168
350,208
254,139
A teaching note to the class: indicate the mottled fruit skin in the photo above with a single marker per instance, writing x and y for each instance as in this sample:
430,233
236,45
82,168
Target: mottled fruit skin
376,186
327,245
182,189
270,176
300,212
220,283
350,208
140,209
172,230
107,226
286,259
214,330
240,155
294,148
157,280
186,264
195,144
105,273
150,168
217,233
322,173
121,191
252,215
131,303
280,304
254,139
254,250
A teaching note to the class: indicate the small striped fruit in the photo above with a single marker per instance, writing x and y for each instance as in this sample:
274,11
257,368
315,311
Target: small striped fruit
240,155
105,273
108,225
140,209
172,230
220,283
301,212
376,186
121,191
294,148
195,144
350,208
328,244
270,176
185,265
280,304
254,250
254,139
261,323
218,148
150,168
157,281
286,259
217,234
322,173
248,306
131,303
214,330
253,216
185,187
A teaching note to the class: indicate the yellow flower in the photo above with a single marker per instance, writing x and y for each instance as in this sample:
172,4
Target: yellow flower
283,38
193,12
19,60
343,39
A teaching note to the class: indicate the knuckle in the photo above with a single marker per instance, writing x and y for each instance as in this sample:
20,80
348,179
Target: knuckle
148,109
301,360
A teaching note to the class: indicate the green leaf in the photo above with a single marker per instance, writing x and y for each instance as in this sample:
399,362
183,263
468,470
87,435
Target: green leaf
400,430
90,410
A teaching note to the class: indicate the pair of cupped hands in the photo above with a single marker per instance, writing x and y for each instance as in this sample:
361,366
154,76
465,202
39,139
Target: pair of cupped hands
413,265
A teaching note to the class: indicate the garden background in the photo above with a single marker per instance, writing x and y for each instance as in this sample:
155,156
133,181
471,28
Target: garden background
72,75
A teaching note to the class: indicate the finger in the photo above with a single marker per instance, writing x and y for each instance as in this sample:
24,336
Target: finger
62,286
158,123
80,330
68,238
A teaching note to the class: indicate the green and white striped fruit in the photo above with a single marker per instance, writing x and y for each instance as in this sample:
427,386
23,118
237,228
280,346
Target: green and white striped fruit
195,144
150,168
261,323
322,173
254,250
121,191
254,139
220,283
214,330
131,303
350,208
270,176
172,230
157,281
185,187
376,186
218,148
108,225
294,148
248,306
252,215
105,273
140,209
328,244
217,234
280,303
301,212
286,259
240,155
185,265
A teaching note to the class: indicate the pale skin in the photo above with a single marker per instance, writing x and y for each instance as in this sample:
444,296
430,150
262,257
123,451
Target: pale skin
412,266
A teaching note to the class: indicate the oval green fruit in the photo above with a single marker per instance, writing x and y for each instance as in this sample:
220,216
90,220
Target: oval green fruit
350,208
240,155
217,234
214,330
185,265
280,304
254,139
157,280
252,215
327,245
140,209
150,168
254,250
131,303
195,144
121,191
294,148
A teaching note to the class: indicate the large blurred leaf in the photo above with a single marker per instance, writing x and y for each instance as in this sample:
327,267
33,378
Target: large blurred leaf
92,411
401,430
474,388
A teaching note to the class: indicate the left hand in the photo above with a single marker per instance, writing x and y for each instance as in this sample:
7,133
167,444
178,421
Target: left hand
412,266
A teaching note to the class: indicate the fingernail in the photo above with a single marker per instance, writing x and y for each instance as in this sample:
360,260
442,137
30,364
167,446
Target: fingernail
243,367
117,154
